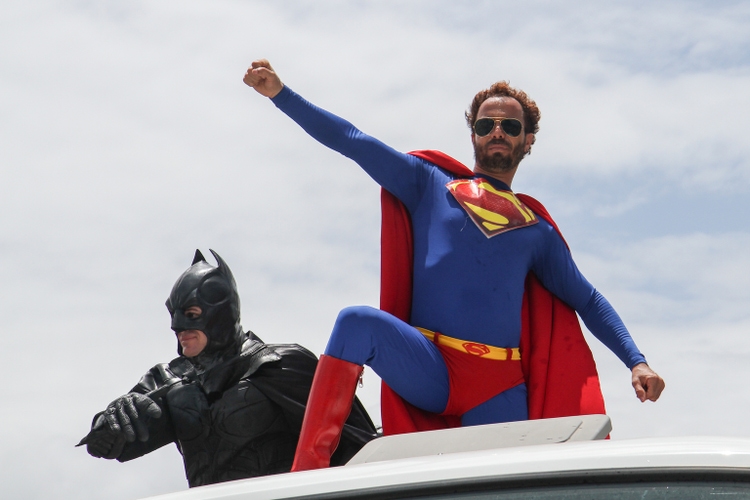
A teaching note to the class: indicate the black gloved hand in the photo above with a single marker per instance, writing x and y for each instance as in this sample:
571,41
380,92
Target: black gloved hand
128,415
124,420
101,442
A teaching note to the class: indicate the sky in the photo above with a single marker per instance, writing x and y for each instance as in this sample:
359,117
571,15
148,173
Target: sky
128,140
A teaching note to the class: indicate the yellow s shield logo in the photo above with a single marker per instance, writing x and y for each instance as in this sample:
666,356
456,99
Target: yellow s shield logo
493,211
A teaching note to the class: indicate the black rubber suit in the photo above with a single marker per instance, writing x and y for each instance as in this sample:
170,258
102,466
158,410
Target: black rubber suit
235,410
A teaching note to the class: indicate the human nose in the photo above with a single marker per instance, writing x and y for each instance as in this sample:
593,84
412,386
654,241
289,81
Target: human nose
497,130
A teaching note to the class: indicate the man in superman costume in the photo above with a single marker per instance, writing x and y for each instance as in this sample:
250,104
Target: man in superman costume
479,295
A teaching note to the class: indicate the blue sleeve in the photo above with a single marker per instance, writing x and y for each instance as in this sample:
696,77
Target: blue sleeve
397,172
560,275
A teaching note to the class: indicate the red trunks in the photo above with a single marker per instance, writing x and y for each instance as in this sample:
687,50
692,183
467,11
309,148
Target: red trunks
474,379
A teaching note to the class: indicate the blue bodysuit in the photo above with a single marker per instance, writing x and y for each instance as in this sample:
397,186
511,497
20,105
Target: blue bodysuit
465,285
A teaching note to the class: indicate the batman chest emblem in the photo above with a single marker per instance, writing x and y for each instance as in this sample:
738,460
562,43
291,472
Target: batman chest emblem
493,211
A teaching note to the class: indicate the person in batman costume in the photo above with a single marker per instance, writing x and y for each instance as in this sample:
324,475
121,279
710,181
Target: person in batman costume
231,403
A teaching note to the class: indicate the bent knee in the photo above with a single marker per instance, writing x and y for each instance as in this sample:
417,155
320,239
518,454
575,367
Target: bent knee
358,317
354,331
358,322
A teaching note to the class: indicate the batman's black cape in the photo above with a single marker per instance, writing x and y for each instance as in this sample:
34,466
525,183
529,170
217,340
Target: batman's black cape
283,372
288,382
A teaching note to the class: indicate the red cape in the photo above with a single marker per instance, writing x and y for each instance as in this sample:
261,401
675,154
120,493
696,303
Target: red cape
558,366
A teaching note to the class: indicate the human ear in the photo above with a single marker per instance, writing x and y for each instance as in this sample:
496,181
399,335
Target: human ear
529,140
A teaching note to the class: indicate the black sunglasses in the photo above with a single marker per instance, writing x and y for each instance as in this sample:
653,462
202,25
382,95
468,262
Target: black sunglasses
510,126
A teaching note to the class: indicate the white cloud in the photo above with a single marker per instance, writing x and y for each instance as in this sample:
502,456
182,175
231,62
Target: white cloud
694,279
705,369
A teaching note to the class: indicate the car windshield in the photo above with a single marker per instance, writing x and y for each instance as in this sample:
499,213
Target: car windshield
629,491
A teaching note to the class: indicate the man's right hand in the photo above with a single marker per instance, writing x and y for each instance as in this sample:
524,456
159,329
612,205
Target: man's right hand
124,421
128,414
261,76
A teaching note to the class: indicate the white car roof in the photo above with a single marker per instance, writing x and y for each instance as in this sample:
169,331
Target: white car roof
425,467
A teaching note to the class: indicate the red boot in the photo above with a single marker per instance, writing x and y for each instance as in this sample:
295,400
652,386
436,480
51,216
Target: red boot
328,407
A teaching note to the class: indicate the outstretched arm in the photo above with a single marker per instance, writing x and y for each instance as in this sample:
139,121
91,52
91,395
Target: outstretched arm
399,173
561,276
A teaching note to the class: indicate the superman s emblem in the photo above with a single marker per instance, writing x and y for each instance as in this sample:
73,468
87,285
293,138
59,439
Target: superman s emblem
493,211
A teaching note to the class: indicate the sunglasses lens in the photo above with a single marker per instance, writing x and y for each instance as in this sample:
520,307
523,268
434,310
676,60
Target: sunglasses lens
484,126
511,126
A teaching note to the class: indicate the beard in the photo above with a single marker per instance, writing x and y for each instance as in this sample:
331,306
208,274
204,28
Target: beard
498,162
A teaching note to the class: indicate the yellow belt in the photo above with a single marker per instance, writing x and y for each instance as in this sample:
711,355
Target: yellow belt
475,348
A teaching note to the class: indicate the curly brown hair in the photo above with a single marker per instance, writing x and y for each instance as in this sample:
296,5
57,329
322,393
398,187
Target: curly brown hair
531,112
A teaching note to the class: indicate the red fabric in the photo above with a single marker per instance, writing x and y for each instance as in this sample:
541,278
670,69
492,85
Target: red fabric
558,366
474,380
328,406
